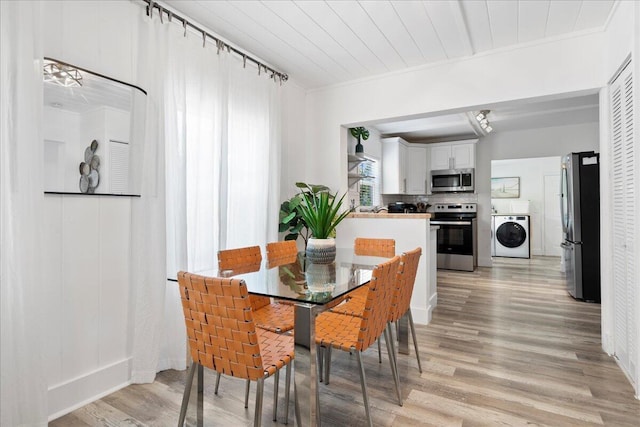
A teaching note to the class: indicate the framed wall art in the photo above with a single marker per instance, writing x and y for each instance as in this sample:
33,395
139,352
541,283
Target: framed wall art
505,188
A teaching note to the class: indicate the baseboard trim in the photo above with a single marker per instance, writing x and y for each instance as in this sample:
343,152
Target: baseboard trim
77,392
433,302
421,316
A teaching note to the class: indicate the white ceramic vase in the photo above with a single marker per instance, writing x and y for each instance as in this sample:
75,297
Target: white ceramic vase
321,251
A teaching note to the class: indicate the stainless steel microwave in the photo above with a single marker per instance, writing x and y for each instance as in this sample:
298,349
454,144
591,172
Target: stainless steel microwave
452,180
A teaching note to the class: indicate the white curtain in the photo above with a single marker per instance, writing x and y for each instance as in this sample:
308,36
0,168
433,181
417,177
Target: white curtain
220,132
148,239
23,383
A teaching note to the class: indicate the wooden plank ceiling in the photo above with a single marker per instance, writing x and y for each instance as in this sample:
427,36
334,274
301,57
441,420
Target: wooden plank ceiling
320,43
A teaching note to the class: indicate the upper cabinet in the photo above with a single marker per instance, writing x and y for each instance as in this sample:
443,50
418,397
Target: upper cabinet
394,153
453,155
404,167
416,169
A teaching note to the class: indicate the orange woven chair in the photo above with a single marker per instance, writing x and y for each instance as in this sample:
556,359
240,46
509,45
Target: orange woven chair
356,334
375,247
276,318
280,253
272,317
229,259
401,302
368,247
224,338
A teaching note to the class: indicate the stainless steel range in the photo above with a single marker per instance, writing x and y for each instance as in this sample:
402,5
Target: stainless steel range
457,236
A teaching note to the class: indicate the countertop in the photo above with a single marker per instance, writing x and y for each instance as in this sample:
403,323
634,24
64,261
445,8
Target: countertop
510,214
386,215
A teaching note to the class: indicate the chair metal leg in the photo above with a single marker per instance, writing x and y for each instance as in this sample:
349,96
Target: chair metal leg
393,347
246,394
217,382
200,409
296,405
363,384
392,363
287,388
187,394
257,417
319,360
379,351
415,341
276,383
327,365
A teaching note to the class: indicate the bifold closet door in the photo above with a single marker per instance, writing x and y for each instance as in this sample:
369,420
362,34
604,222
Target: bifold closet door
624,192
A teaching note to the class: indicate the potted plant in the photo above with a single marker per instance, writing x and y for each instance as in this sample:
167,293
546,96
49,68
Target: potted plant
320,211
291,221
360,132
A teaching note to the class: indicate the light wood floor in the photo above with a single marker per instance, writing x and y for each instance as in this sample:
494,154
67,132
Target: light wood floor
506,346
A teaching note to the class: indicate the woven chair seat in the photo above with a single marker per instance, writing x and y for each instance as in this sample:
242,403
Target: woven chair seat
276,317
276,350
338,331
356,300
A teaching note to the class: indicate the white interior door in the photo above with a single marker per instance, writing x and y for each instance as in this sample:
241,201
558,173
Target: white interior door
552,232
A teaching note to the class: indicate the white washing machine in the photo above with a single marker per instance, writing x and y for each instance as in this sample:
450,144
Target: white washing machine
511,236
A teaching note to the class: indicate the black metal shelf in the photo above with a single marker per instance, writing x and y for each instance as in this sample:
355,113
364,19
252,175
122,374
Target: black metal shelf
69,193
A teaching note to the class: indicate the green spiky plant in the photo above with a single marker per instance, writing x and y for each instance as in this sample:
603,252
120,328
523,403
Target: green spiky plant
320,210
291,220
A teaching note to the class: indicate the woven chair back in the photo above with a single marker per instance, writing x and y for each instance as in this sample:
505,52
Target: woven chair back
376,309
222,334
230,259
405,280
241,261
281,249
282,253
375,247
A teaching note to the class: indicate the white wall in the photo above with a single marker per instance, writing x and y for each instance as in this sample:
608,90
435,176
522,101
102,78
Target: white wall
88,237
547,69
63,127
531,173
528,143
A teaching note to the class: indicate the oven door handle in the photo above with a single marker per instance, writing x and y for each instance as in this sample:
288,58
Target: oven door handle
450,222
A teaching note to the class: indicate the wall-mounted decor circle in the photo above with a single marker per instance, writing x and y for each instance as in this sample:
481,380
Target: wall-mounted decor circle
95,162
84,168
84,183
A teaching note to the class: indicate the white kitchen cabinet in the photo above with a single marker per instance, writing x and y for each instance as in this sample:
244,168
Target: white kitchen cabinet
453,155
416,169
394,177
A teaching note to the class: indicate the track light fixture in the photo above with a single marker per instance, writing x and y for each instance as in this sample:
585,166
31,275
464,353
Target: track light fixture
482,119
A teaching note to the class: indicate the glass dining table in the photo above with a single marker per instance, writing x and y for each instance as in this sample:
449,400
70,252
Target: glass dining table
312,288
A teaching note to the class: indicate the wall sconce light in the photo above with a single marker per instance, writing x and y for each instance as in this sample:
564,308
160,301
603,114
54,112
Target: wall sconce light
63,75
482,119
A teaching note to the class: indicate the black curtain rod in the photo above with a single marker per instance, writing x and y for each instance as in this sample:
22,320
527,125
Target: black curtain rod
275,75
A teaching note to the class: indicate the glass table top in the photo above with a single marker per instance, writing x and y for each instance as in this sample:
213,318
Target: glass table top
297,279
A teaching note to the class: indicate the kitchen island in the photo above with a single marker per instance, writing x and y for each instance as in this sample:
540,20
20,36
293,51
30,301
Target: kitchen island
409,231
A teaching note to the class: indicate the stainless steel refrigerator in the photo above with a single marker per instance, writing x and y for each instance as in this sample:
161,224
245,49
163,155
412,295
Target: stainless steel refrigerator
580,209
